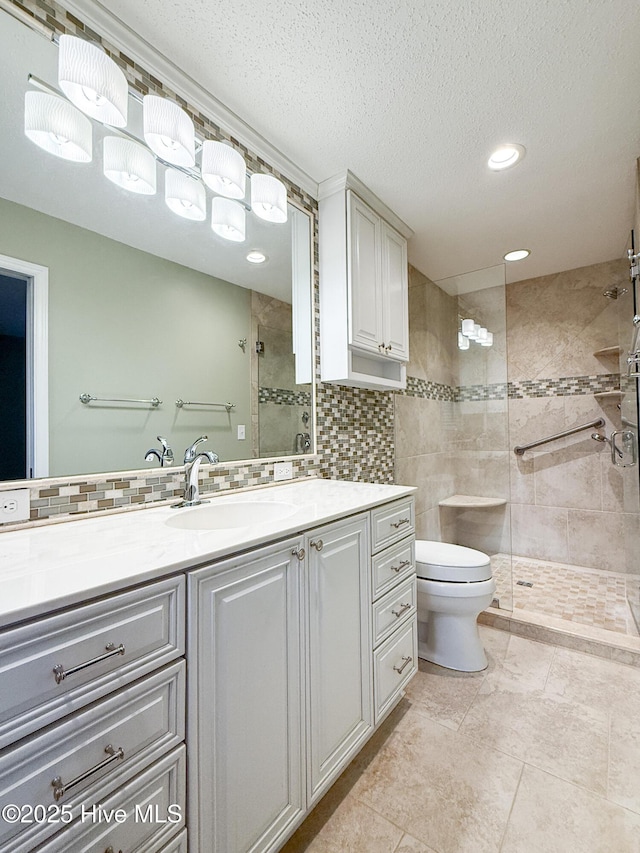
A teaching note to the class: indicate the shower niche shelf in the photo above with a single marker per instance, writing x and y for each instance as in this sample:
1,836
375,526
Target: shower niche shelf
607,351
604,395
472,502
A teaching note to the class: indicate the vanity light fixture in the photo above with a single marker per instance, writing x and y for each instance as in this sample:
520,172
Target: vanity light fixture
168,131
92,81
463,341
517,255
506,156
129,165
185,195
268,198
255,256
223,169
488,341
472,331
467,327
228,219
57,126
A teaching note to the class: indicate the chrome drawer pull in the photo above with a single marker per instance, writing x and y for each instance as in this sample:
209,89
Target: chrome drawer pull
407,660
299,554
403,609
403,565
59,788
399,523
111,850
60,672
319,545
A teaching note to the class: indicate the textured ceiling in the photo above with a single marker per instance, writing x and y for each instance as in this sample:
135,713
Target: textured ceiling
413,96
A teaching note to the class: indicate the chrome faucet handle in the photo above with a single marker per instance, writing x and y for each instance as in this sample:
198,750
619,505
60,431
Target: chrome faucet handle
190,452
167,452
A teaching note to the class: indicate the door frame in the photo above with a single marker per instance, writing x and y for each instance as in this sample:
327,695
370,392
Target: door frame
37,361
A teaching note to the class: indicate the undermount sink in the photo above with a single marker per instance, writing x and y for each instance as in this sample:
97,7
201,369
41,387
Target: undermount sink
219,516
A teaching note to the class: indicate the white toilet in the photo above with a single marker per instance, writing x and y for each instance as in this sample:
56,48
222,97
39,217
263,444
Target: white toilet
454,586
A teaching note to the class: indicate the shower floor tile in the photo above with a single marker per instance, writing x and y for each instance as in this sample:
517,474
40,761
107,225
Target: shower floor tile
573,593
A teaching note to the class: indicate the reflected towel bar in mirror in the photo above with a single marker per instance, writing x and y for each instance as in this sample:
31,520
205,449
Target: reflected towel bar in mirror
181,403
87,398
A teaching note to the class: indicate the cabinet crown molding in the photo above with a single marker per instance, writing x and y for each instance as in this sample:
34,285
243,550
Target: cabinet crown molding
349,181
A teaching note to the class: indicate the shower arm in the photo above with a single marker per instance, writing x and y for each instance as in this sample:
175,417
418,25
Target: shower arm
520,449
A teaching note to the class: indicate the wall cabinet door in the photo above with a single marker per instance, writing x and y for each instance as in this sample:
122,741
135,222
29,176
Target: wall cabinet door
363,231
339,648
245,709
395,293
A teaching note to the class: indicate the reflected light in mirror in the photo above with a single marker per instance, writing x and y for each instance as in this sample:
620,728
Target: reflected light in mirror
57,127
223,169
129,165
168,131
228,219
185,195
268,198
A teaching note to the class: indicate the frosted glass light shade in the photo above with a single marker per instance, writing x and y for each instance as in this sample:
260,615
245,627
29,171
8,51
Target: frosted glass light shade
129,165
268,198
463,342
467,327
168,131
228,219
92,81
184,195
488,342
476,332
482,334
57,127
223,169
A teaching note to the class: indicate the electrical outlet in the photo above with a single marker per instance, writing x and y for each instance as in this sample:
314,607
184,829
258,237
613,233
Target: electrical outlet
14,505
282,471
241,432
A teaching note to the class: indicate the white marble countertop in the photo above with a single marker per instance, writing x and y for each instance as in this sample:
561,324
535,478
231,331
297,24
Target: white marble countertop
46,568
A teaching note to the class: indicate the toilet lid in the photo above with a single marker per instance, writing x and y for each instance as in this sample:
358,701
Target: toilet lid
442,561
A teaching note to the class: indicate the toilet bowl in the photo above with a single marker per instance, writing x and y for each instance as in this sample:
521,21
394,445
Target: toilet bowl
454,586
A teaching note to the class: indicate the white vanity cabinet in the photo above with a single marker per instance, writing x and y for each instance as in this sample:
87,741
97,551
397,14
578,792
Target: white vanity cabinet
364,295
339,648
109,679
245,724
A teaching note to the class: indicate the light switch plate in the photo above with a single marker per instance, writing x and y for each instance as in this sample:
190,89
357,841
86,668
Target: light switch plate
282,471
241,432
14,505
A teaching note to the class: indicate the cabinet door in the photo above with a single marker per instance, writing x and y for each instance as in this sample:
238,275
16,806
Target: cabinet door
244,719
365,292
339,649
395,293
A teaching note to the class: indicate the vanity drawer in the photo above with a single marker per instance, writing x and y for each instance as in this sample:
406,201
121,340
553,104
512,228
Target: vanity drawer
392,566
86,757
391,522
152,805
394,609
394,664
148,623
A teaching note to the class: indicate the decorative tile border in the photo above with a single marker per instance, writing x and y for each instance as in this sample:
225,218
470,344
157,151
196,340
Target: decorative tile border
565,386
284,397
430,390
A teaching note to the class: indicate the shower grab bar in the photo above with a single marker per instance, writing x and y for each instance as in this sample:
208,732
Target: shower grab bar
520,449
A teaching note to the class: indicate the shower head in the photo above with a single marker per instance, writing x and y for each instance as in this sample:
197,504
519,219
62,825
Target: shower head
614,292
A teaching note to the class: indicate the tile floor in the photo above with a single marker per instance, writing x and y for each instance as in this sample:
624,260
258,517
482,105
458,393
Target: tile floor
538,754
574,593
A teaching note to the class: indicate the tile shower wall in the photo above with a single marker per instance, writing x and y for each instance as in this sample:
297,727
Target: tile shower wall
567,498
355,434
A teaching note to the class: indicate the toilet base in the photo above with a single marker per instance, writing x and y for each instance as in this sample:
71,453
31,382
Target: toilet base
452,641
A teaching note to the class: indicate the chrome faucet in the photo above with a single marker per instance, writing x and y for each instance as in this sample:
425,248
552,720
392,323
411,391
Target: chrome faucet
192,460
164,457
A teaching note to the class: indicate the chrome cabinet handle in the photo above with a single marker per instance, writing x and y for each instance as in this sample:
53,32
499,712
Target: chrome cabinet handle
60,672
319,545
110,849
299,554
403,565
388,348
59,788
402,609
399,523
381,346
407,660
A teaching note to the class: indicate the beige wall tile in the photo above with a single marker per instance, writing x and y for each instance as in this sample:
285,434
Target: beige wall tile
596,539
539,532
563,478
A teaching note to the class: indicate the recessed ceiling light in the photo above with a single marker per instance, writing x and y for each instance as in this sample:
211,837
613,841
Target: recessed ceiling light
506,156
256,257
517,255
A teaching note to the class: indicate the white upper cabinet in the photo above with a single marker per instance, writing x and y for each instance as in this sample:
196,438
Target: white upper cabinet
364,305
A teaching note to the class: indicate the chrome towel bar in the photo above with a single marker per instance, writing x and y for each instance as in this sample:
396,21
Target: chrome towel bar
520,449
87,398
181,403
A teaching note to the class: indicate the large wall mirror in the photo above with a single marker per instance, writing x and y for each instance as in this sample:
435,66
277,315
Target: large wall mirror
107,294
